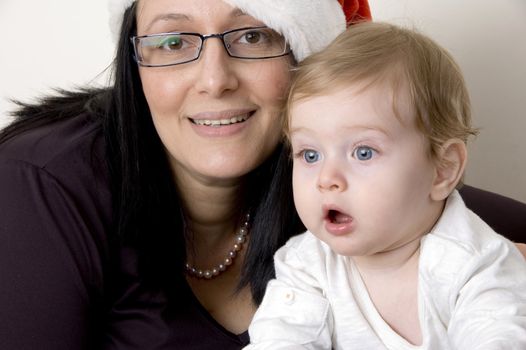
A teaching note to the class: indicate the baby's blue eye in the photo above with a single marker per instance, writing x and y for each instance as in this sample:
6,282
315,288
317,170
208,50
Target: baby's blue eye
311,156
363,153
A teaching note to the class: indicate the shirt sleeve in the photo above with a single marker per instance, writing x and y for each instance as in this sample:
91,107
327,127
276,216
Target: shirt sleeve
47,274
490,308
294,313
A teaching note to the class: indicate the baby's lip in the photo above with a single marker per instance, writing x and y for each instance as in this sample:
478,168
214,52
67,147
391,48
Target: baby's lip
337,222
335,215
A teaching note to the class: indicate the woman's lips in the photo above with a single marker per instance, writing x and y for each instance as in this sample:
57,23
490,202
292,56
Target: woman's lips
337,222
220,124
223,121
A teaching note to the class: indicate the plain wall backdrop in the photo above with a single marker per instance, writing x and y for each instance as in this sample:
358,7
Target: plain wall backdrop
66,43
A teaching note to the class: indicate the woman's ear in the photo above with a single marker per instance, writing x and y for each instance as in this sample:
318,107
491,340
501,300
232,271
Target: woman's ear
450,165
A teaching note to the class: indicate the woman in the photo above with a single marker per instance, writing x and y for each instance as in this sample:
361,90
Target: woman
124,210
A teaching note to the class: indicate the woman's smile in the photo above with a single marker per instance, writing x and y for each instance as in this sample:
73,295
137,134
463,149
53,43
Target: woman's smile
223,121
221,124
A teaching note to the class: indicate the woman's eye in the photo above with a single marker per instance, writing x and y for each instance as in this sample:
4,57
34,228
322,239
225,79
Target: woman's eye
311,156
171,43
258,36
252,37
363,153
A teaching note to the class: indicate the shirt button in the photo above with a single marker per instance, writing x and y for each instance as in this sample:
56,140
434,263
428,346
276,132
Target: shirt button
288,297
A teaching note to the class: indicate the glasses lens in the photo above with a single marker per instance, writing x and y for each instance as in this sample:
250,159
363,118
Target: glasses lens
166,49
255,43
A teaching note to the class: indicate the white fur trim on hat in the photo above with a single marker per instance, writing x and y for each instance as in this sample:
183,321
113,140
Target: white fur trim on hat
116,10
307,25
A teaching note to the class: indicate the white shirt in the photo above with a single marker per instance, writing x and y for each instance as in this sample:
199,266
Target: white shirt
471,294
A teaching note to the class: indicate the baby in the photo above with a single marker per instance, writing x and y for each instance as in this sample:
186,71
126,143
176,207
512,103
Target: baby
392,259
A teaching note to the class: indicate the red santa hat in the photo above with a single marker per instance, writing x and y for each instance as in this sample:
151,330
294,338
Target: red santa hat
307,25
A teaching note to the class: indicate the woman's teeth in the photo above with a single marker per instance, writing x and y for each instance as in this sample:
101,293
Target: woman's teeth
220,122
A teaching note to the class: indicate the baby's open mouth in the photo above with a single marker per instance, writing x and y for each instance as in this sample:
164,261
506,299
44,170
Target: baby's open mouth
337,217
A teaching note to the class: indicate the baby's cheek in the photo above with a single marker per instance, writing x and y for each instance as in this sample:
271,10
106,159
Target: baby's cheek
303,181
305,197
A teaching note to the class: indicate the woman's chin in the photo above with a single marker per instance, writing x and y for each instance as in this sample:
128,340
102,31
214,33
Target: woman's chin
215,172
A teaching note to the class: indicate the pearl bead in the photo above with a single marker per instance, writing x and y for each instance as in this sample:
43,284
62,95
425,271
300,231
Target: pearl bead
217,270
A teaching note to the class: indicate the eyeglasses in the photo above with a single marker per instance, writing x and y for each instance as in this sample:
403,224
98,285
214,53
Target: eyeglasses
168,49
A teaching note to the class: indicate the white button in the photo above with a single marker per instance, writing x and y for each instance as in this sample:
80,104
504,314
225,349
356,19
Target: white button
288,297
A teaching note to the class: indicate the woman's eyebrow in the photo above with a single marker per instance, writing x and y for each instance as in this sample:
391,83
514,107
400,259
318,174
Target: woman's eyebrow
173,16
237,13
168,17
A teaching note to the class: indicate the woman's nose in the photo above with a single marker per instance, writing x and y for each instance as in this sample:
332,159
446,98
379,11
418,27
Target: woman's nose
216,75
332,178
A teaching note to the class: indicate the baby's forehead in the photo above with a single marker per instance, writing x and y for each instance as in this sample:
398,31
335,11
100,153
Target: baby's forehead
358,107
387,96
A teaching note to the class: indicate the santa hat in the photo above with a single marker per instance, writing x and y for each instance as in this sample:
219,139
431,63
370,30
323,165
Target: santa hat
307,25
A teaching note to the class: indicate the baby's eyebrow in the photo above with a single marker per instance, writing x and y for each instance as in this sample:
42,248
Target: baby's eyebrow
298,130
295,130
374,128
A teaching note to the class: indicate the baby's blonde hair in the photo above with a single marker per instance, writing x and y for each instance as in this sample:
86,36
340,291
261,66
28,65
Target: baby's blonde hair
373,53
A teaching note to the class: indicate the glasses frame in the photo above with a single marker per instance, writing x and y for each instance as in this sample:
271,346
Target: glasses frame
134,40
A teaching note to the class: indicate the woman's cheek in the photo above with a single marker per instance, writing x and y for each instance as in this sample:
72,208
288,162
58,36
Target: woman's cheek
164,94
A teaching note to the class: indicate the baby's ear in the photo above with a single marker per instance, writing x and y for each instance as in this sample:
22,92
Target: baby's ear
451,162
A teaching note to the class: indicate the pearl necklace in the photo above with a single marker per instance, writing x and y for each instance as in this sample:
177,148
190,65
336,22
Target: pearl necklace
241,238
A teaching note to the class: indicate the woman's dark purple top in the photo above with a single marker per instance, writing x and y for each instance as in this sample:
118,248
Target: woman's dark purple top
64,282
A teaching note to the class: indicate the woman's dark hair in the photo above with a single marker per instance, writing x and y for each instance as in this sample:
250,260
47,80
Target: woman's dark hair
147,212
275,220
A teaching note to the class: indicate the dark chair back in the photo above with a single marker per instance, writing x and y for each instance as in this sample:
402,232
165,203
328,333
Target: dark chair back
505,215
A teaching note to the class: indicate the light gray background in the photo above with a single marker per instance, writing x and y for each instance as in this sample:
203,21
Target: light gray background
66,43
